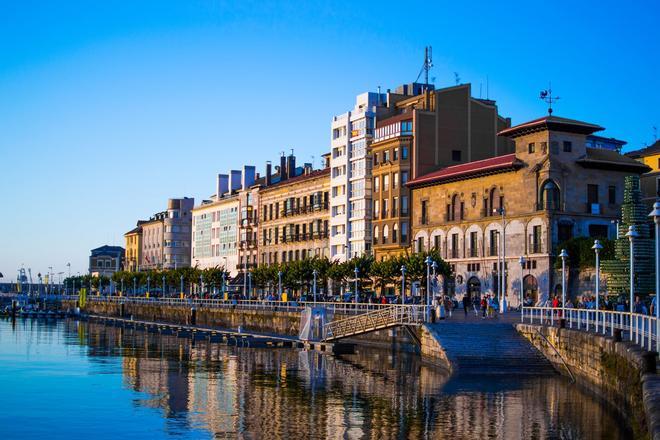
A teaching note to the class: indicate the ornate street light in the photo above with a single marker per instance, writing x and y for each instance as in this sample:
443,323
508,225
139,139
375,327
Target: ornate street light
357,272
181,279
148,285
597,247
656,218
403,283
279,279
563,255
428,262
315,273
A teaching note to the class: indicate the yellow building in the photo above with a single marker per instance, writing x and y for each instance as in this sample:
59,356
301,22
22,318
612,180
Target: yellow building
649,182
133,240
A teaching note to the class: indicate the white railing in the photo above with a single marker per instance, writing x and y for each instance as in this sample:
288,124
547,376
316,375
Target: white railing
292,306
388,316
640,329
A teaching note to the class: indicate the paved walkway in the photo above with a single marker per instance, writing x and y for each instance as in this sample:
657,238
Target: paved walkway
488,346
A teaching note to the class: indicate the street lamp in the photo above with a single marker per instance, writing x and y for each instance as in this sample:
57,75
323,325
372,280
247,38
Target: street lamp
249,276
181,280
597,248
315,273
163,286
134,286
148,285
428,262
357,272
563,255
632,234
616,225
122,286
502,251
279,283
656,218
403,283
201,285
522,262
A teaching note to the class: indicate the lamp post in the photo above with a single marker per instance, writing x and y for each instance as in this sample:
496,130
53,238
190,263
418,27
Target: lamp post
249,285
201,285
357,272
224,282
134,285
148,285
315,273
181,280
403,283
563,255
435,276
122,286
502,251
163,293
428,262
632,234
597,247
279,283
656,218
616,225
522,262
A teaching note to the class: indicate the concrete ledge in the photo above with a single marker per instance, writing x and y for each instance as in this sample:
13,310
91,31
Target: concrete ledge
432,352
613,370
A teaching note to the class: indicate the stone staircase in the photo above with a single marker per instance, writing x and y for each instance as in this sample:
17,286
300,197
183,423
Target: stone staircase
488,347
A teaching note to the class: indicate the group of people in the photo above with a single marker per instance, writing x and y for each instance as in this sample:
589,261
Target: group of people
619,304
488,305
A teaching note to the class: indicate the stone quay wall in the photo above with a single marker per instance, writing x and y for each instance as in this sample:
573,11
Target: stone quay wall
281,322
616,371
431,350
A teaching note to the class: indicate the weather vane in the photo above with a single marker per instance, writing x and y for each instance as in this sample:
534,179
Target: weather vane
546,96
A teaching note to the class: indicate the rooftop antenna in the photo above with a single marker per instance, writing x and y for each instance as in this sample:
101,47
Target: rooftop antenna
487,89
655,134
480,87
313,161
546,96
426,67
457,78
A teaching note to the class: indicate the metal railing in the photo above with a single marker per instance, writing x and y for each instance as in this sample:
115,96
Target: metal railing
389,316
349,308
640,329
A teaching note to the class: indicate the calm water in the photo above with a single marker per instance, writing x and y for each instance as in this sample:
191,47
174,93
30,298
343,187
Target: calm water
68,380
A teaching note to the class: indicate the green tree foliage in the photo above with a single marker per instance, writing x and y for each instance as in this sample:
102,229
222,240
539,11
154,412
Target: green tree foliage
580,254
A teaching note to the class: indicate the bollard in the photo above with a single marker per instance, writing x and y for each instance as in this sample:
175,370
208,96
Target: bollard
618,335
193,316
562,323
649,365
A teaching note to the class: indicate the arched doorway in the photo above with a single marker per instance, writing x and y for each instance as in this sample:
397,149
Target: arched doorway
474,289
530,290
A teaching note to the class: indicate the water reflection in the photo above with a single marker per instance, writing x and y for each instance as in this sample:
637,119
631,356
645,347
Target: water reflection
210,390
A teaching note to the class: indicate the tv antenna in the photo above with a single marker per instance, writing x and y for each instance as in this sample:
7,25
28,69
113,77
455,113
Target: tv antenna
426,67
655,134
457,78
546,96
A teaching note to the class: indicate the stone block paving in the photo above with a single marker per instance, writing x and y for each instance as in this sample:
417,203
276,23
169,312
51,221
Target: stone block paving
488,346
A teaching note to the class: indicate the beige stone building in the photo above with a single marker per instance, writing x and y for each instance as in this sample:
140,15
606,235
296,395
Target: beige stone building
133,239
152,242
551,189
294,214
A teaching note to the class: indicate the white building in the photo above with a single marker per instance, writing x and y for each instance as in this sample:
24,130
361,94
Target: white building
350,178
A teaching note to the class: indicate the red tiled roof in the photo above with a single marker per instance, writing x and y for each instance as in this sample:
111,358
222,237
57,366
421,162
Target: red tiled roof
551,123
470,169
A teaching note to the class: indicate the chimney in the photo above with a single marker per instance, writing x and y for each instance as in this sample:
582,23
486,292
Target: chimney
248,176
283,170
222,185
234,180
291,166
308,168
269,173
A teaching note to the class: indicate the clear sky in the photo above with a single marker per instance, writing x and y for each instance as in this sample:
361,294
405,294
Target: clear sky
109,108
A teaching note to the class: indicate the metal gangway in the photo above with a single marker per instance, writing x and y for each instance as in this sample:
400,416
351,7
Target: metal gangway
386,317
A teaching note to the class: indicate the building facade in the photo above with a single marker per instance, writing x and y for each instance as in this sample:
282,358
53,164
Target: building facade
294,215
152,242
650,181
521,204
133,239
215,234
423,133
106,260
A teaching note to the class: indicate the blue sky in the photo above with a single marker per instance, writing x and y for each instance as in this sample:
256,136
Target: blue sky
109,108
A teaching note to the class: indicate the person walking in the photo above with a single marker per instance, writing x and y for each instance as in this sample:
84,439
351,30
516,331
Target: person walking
484,306
466,304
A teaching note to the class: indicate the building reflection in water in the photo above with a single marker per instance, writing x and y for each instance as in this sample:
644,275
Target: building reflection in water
289,394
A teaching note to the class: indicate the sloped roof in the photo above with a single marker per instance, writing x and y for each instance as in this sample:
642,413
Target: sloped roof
298,179
643,152
555,123
468,170
609,159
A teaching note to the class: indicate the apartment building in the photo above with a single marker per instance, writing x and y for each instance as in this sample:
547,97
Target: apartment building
166,236
551,188
133,240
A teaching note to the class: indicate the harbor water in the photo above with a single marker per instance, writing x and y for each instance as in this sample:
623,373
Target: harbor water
64,379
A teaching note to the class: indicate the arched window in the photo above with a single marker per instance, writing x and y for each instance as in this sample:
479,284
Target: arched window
375,234
386,233
395,232
495,201
549,196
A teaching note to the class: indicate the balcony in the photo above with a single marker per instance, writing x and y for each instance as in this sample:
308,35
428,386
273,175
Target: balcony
306,209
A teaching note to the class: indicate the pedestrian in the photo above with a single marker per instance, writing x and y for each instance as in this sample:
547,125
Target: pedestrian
466,304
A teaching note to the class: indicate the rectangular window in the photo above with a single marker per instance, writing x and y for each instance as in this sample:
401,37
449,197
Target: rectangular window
611,194
376,184
395,206
454,245
456,155
436,243
420,245
404,232
568,146
385,208
386,182
386,156
404,205
531,147
592,194
493,243
423,220
395,154
536,239
404,177
473,244
395,180
404,153
375,158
